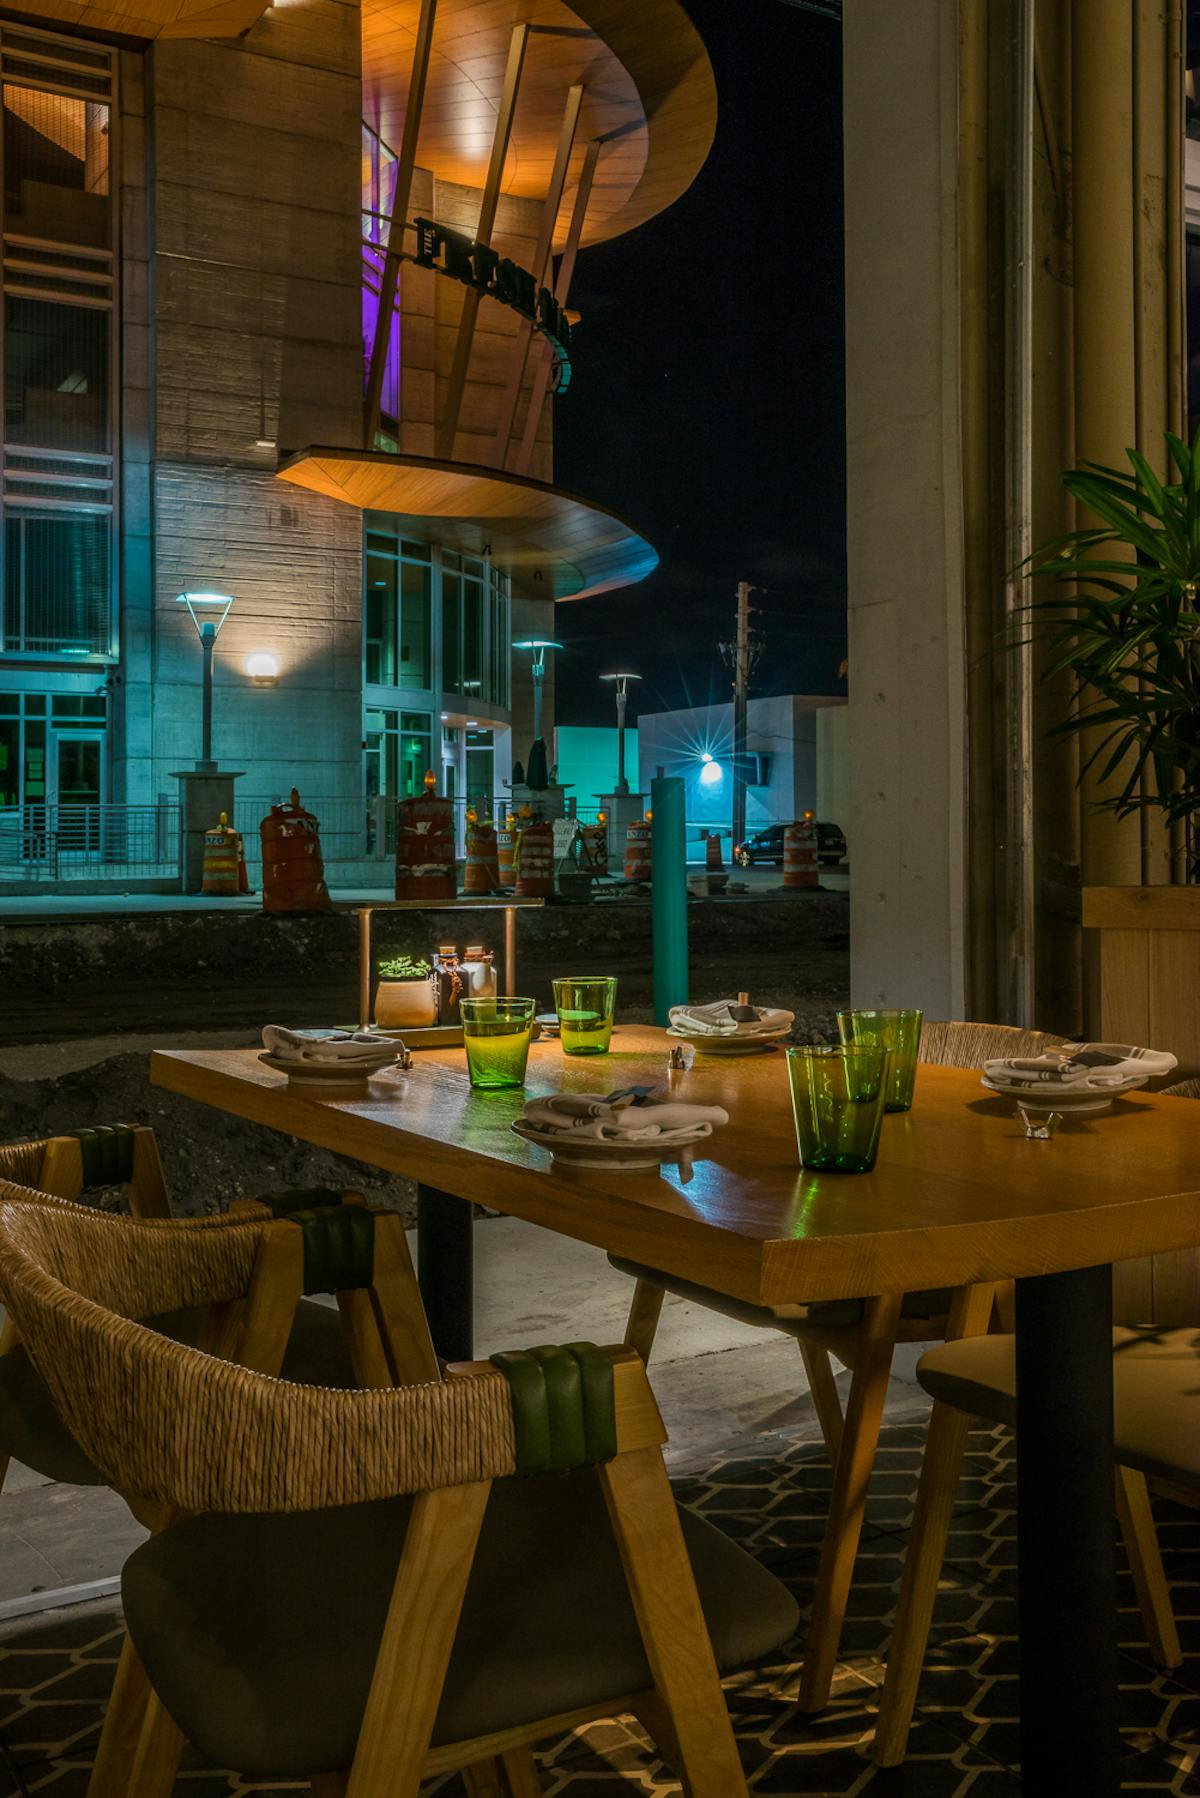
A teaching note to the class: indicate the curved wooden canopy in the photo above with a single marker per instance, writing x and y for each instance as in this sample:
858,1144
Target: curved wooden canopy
649,97
525,525
150,18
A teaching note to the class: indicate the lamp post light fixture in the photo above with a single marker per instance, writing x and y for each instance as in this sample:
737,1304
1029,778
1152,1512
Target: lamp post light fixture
208,612
538,647
622,689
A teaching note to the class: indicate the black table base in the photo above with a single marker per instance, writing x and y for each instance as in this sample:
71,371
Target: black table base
445,1271
1066,1536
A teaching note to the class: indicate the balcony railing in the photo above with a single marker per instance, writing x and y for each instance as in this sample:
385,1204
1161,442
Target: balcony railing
64,843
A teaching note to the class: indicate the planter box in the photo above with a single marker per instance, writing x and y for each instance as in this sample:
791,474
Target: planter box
1142,980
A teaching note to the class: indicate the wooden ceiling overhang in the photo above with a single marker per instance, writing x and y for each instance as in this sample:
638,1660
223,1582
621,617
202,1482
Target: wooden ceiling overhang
525,526
143,19
649,97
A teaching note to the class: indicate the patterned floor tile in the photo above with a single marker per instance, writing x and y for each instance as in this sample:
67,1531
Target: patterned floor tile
55,1670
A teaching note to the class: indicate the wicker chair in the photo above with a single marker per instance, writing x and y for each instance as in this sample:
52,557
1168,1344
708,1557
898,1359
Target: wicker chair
862,1334
360,1592
62,1169
1155,1385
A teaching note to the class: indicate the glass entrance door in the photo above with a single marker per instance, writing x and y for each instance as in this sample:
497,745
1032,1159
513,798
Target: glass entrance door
79,788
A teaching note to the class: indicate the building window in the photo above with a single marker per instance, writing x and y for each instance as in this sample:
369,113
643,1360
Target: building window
52,749
397,613
58,348
397,751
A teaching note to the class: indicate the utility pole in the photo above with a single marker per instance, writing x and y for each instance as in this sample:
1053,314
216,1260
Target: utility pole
741,683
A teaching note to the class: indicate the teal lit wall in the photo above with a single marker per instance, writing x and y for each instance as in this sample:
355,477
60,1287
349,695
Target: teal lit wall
587,761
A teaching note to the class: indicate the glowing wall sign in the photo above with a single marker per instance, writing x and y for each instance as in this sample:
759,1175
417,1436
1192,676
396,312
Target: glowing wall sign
477,265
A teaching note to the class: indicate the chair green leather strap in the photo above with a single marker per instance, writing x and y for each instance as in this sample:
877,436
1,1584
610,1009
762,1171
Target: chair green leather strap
106,1151
298,1198
564,1409
339,1247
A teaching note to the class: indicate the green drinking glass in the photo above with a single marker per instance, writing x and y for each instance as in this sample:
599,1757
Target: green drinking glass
496,1035
585,1004
899,1032
837,1102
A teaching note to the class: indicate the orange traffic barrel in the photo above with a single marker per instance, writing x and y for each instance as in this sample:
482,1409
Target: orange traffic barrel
800,855
224,873
293,866
425,861
482,872
535,860
712,852
506,849
638,840
592,853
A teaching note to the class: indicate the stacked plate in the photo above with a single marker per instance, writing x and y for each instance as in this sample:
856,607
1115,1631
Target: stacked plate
590,1131
729,1028
331,1061
1077,1079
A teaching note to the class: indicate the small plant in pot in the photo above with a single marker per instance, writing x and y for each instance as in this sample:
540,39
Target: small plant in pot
406,997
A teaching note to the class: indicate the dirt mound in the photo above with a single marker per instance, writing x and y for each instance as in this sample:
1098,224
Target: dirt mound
209,1158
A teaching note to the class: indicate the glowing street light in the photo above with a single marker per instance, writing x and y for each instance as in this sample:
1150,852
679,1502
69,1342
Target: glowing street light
208,612
538,647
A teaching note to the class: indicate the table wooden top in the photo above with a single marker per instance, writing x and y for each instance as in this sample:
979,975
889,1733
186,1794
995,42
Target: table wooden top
958,1193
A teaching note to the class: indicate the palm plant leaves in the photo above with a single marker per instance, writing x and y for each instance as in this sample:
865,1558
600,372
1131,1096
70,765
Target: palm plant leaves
1120,618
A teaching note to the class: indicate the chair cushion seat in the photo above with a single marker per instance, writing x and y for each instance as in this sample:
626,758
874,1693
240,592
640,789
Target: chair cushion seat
1156,1393
30,1429
793,1320
260,1632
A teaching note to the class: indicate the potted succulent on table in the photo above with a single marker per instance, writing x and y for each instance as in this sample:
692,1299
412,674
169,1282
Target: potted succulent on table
406,997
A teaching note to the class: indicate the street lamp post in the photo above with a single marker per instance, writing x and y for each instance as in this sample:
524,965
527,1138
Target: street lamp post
208,612
537,671
622,692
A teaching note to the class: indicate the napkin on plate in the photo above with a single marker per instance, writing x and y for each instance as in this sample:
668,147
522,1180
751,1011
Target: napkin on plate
324,1045
580,1115
728,1018
1080,1067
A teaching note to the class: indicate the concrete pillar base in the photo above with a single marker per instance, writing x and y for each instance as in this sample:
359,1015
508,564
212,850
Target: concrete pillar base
203,796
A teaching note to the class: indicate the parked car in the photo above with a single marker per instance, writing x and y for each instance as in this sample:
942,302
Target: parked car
767,846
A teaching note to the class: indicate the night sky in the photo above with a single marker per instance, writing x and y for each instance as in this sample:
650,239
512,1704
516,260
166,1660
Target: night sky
706,404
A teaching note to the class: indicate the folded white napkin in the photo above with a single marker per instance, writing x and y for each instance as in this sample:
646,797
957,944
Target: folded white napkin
728,1018
1080,1067
323,1045
579,1115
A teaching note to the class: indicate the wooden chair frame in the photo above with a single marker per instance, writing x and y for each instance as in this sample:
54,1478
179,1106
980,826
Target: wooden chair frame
685,1707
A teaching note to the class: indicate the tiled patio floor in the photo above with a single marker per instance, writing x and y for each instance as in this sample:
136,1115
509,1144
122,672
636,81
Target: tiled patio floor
55,1670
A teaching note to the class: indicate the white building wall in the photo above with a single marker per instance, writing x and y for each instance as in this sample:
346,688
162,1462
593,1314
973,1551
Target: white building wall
782,726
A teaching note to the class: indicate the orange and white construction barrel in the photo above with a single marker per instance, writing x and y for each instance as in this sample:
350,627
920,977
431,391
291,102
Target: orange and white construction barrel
535,860
638,851
800,856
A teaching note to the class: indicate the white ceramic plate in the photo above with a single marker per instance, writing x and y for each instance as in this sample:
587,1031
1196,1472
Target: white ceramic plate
1040,1102
344,1075
588,1151
730,1045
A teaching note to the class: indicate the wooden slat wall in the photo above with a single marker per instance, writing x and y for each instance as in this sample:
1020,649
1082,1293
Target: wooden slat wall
1144,945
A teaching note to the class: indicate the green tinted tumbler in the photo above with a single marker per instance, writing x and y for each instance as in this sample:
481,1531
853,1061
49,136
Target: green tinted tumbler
899,1032
837,1102
496,1035
585,1005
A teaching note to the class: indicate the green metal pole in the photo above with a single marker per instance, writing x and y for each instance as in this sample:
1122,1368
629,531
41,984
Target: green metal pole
669,896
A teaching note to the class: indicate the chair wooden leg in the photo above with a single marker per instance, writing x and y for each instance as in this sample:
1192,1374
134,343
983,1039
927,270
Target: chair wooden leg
410,1669
158,1754
1145,1563
823,1387
644,1314
484,1780
941,1466
851,1474
122,1730
524,1780
661,1585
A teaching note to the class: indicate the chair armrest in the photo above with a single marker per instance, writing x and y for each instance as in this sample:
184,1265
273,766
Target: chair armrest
639,1421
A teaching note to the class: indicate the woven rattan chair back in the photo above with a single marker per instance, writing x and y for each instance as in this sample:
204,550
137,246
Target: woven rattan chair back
956,1045
116,1155
182,1428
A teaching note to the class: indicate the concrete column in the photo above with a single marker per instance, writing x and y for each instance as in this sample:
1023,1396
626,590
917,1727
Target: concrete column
904,524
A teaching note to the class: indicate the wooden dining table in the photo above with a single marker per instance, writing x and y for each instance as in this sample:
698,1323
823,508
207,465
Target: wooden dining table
959,1196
